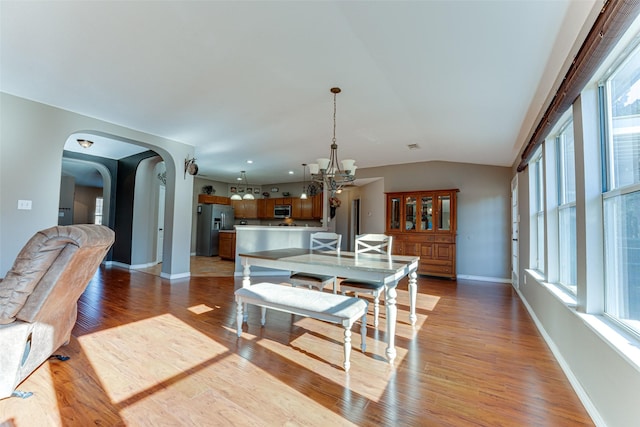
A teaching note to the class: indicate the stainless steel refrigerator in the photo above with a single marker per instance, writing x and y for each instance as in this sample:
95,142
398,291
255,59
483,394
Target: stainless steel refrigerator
212,219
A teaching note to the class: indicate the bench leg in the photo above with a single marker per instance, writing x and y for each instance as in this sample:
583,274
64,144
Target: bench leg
239,316
263,318
363,331
347,348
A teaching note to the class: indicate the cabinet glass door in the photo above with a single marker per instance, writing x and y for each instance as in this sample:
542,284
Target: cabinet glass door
394,214
426,212
444,212
410,213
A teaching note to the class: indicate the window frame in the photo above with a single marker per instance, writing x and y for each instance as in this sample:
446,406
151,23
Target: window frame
612,192
564,204
538,232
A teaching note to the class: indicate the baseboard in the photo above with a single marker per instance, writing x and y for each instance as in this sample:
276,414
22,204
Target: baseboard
483,278
145,265
577,387
175,276
121,265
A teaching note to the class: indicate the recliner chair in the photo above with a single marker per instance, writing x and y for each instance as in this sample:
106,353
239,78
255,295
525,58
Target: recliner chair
38,296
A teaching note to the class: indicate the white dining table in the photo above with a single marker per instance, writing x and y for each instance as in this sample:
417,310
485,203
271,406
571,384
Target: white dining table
388,269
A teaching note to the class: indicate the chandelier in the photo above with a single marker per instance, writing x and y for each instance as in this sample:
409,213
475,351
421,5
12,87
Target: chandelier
247,195
331,173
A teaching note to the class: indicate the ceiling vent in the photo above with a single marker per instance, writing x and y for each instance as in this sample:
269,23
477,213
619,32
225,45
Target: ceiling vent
413,146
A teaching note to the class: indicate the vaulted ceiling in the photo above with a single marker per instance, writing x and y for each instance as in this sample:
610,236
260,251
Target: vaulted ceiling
465,81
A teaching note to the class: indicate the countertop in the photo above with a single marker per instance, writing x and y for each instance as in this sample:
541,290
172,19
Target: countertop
277,228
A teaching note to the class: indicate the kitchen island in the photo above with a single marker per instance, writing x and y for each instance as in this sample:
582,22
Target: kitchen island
254,238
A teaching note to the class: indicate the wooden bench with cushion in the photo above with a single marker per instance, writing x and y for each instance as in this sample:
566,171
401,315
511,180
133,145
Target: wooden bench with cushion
304,302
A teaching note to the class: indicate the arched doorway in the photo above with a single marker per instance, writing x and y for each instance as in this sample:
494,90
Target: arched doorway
124,178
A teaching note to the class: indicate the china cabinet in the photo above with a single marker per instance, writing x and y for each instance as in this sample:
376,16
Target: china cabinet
423,223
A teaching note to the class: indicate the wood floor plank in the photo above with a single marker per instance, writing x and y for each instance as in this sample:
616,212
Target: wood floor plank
150,352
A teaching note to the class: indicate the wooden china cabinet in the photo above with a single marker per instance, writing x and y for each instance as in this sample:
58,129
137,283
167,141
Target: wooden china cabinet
423,223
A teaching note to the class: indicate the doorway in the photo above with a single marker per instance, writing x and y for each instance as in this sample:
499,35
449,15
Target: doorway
355,223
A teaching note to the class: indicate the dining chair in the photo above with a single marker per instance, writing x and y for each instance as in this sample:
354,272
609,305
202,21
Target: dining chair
369,243
320,241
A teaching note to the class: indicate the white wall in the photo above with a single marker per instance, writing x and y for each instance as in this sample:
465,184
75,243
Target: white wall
145,214
32,138
606,381
484,210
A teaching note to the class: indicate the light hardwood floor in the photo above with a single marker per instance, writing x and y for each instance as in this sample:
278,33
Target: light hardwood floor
201,266
149,352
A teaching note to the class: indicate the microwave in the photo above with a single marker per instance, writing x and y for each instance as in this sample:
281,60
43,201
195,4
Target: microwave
282,211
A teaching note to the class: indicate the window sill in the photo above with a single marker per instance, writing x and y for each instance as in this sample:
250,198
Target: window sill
625,344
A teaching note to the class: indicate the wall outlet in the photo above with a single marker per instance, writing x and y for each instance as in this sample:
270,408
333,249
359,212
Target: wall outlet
24,204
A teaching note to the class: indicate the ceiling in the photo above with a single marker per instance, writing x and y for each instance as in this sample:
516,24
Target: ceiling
249,80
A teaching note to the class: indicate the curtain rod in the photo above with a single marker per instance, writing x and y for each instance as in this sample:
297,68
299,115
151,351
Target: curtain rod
615,18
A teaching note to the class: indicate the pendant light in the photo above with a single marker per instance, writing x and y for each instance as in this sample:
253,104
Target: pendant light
247,195
303,196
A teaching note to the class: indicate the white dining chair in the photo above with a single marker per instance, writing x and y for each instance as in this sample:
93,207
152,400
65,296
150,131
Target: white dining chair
321,241
369,243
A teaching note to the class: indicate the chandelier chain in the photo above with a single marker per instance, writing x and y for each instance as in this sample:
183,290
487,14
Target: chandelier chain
334,117
330,172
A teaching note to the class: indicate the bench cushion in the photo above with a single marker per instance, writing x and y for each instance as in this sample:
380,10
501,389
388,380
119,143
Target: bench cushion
321,305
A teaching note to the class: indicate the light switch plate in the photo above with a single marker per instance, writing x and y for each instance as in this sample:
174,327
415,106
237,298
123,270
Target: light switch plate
24,204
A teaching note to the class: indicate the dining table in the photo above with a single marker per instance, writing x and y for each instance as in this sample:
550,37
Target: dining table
388,269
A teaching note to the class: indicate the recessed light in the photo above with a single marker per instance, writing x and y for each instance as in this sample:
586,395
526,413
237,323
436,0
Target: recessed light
290,172
249,161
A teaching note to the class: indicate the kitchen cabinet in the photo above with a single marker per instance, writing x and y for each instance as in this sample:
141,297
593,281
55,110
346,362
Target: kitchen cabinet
227,245
423,223
262,213
211,199
269,206
245,209
316,206
302,208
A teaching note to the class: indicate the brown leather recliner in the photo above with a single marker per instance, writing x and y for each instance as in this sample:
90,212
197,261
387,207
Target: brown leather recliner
38,296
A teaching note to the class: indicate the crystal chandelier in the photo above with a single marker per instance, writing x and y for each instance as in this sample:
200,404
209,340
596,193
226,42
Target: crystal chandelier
333,175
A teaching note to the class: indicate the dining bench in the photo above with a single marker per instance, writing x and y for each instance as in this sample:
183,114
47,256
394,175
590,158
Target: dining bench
309,303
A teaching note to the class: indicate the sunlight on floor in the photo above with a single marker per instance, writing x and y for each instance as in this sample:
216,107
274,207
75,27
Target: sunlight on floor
201,308
124,375
148,363
320,348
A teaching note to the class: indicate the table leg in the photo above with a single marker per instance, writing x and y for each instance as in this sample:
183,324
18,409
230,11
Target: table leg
239,316
246,274
413,289
246,282
392,313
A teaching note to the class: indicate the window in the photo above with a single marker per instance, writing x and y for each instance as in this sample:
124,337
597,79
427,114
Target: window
98,212
620,101
537,204
566,179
